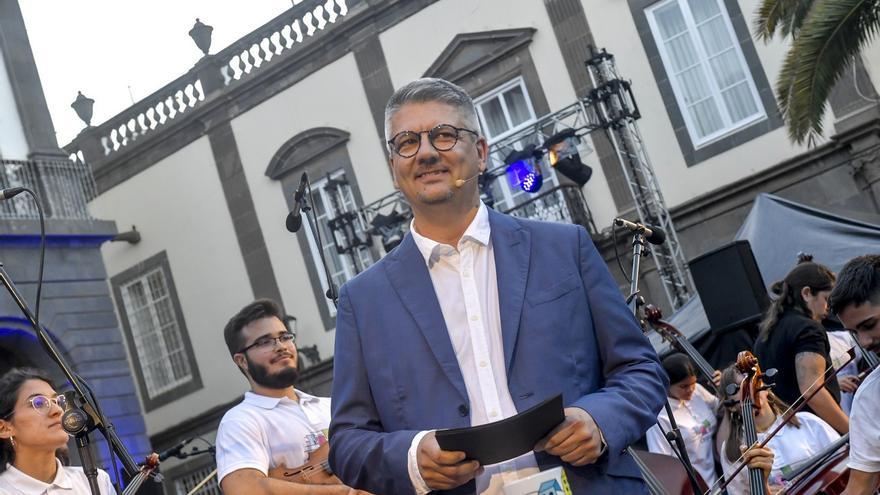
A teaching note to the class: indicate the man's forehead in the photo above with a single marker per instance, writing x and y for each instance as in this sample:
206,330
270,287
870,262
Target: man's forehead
263,326
424,113
854,314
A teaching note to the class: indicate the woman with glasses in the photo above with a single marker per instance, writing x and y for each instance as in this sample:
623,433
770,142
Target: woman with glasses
30,435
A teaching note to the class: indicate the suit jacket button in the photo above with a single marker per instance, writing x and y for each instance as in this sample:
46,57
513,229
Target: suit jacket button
463,410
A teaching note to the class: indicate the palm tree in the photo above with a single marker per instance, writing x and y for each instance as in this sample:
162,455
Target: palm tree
826,37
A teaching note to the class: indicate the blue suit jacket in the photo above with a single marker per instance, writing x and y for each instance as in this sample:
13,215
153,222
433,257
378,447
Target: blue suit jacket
565,329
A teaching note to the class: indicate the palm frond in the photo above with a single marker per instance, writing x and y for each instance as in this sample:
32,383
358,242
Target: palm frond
832,34
785,16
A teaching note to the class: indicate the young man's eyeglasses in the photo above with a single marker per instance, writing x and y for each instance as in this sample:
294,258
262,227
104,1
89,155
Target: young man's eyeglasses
442,138
266,343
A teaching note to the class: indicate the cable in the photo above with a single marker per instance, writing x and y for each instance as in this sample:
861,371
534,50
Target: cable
42,253
617,253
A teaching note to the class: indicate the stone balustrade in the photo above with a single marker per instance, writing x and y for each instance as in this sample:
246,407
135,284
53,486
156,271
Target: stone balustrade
64,188
213,74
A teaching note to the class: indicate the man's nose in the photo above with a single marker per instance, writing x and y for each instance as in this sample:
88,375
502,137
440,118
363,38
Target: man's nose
427,154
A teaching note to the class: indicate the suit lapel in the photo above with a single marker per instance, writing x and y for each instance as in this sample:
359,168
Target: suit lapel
409,276
511,244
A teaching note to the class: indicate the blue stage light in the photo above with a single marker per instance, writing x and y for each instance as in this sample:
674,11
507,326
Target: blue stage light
523,171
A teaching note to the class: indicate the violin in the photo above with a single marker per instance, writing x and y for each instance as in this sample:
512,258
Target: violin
676,339
316,471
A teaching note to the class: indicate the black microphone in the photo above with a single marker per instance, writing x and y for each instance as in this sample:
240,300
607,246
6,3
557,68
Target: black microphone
10,192
74,420
294,218
654,235
174,451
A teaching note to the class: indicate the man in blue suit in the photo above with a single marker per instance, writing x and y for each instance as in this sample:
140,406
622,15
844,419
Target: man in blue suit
475,316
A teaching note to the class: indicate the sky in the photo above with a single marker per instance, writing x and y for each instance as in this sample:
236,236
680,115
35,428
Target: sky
120,51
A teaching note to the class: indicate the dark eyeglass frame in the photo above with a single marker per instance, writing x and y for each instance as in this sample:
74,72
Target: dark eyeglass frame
432,134
266,342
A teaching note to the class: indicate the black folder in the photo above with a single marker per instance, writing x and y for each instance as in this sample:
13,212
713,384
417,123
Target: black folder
511,437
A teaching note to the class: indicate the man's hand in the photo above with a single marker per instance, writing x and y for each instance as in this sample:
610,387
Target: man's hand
443,469
576,440
848,383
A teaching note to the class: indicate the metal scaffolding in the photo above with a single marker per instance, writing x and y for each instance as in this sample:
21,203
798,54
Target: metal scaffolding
617,112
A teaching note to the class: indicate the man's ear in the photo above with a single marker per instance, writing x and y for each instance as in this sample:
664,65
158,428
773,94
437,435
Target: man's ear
241,362
483,152
393,172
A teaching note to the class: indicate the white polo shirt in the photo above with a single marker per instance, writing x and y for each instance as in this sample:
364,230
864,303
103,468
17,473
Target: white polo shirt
265,432
697,423
864,426
68,481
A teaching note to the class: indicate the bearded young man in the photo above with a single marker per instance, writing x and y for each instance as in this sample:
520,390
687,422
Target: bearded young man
856,301
276,424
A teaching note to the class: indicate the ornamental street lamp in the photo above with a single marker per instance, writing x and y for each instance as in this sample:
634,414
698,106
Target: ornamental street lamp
83,105
201,34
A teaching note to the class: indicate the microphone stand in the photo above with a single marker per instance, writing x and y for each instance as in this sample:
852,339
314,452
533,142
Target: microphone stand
87,417
633,301
332,293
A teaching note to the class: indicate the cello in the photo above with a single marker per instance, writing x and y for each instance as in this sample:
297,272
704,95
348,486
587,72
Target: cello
654,317
753,383
828,478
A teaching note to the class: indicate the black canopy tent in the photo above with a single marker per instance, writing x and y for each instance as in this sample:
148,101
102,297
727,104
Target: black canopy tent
778,229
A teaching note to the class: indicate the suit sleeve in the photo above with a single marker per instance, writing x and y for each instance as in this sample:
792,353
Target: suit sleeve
362,454
635,385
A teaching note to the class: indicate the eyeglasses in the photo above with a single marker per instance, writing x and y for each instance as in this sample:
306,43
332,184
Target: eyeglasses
443,138
266,343
43,404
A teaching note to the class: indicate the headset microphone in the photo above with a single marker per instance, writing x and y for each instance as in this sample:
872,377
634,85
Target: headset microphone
459,183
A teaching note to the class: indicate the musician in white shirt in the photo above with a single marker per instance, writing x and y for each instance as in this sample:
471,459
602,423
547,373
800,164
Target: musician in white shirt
856,301
275,425
802,437
30,436
695,411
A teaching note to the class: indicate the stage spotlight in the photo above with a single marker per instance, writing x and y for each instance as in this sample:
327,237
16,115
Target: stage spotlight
523,170
562,154
390,227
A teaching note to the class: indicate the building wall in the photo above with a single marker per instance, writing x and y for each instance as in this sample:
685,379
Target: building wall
331,97
178,207
613,27
13,144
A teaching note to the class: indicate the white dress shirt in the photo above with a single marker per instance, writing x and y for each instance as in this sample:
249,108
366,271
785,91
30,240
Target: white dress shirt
265,432
68,481
466,286
697,422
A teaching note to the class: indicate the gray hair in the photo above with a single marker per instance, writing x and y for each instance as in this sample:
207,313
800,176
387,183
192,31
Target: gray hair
437,90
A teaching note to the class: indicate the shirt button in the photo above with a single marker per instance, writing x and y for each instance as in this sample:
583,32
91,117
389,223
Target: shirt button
466,274
475,318
483,364
463,410
493,414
